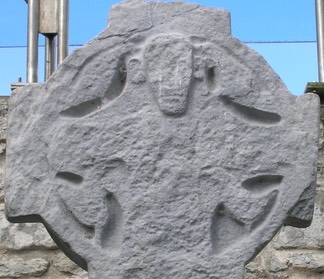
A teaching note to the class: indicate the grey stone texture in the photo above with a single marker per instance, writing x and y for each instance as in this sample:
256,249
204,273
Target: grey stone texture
26,250
164,148
17,267
300,250
3,136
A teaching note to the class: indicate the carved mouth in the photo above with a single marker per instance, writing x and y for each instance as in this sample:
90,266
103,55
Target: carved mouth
173,94
172,98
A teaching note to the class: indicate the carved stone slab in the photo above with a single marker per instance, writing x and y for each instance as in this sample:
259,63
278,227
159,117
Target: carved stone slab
164,148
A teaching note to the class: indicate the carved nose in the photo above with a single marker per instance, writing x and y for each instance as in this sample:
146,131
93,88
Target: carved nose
170,83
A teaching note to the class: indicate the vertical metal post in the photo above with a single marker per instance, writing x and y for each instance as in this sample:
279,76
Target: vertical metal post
63,11
320,37
50,18
32,41
49,56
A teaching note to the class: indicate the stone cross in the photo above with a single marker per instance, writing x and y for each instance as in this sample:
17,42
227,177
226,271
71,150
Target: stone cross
164,148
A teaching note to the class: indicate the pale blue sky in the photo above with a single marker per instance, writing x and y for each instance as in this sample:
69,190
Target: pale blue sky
252,21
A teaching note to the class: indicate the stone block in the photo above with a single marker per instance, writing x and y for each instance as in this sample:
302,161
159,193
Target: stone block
2,170
256,269
308,238
18,267
164,148
23,236
3,136
3,118
66,266
307,261
276,262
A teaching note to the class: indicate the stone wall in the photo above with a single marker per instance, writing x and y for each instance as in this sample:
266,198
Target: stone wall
27,251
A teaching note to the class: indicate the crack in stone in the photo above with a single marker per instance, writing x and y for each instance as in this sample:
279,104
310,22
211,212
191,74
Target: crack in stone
188,11
148,28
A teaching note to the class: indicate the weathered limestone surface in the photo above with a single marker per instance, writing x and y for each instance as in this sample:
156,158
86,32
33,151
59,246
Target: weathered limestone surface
27,250
296,253
271,264
3,135
164,148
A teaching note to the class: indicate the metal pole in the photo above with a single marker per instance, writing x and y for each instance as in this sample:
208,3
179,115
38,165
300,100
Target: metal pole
49,56
63,12
32,41
320,37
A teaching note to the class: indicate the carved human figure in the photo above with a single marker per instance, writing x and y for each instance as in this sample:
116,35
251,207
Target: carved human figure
165,148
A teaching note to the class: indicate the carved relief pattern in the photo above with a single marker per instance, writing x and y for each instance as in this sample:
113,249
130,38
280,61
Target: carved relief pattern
161,153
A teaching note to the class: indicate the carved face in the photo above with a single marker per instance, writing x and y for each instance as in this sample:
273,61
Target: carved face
168,62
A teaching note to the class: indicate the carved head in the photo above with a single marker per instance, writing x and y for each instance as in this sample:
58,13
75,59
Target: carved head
168,60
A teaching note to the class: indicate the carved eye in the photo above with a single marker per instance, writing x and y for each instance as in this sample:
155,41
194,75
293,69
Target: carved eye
250,114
